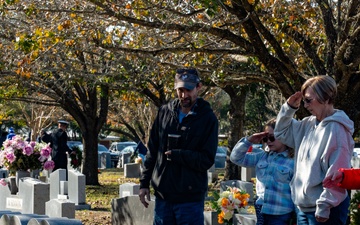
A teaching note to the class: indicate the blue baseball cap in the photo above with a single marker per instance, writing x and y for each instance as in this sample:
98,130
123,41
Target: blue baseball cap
186,78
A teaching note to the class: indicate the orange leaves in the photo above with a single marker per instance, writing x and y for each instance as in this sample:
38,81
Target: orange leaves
65,25
69,42
24,72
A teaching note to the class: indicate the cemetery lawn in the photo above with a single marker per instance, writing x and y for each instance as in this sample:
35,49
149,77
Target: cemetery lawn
99,197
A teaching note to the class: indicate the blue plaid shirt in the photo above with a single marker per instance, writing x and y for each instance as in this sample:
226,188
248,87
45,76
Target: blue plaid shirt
273,170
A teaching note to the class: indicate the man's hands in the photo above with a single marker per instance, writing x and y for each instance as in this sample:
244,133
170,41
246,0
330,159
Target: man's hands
142,193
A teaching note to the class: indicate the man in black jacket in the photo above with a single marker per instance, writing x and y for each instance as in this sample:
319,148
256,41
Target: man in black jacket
59,146
179,174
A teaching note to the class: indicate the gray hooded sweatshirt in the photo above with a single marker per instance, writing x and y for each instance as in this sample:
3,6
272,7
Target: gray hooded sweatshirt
320,148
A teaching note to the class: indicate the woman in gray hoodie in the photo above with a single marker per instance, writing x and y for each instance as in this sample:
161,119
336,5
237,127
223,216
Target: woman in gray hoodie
323,143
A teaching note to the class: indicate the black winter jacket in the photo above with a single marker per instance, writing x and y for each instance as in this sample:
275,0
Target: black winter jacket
184,178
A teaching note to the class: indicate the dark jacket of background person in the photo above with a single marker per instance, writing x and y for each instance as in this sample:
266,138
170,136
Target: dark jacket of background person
184,178
141,148
59,149
45,137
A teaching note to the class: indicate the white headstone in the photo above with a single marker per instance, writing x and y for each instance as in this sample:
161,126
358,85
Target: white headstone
55,178
60,208
76,189
128,189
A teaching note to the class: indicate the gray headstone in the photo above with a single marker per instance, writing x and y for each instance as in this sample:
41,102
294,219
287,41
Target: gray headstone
125,158
34,194
132,170
54,221
128,189
104,160
243,185
60,208
55,178
130,211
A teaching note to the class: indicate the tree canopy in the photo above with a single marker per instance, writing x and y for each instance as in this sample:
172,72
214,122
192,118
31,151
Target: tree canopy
79,53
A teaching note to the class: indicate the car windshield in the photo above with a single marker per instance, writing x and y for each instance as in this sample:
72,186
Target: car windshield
121,146
102,148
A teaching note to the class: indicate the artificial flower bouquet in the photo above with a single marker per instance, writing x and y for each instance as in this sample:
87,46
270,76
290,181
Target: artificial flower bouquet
17,154
229,202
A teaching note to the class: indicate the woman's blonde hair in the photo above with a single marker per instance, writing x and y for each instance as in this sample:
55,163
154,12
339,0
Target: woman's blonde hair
323,86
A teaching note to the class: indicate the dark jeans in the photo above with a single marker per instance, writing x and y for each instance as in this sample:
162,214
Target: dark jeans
259,217
338,215
167,213
277,219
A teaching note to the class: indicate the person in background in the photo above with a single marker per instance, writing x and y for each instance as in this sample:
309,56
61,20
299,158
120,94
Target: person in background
179,174
28,137
344,178
274,171
59,146
141,150
11,134
323,144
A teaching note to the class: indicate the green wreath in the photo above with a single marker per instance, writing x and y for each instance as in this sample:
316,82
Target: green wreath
75,157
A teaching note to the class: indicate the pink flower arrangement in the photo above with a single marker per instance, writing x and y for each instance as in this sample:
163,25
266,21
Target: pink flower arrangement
17,154
3,182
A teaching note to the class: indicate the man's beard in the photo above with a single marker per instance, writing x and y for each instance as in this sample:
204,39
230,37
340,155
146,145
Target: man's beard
186,103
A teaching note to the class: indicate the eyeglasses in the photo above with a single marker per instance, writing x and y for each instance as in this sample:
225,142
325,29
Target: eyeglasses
307,100
269,138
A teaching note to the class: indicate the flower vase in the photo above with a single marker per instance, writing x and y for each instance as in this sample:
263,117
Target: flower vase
20,174
35,173
13,186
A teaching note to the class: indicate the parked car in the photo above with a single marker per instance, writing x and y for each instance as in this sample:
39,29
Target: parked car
220,157
117,148
104,149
